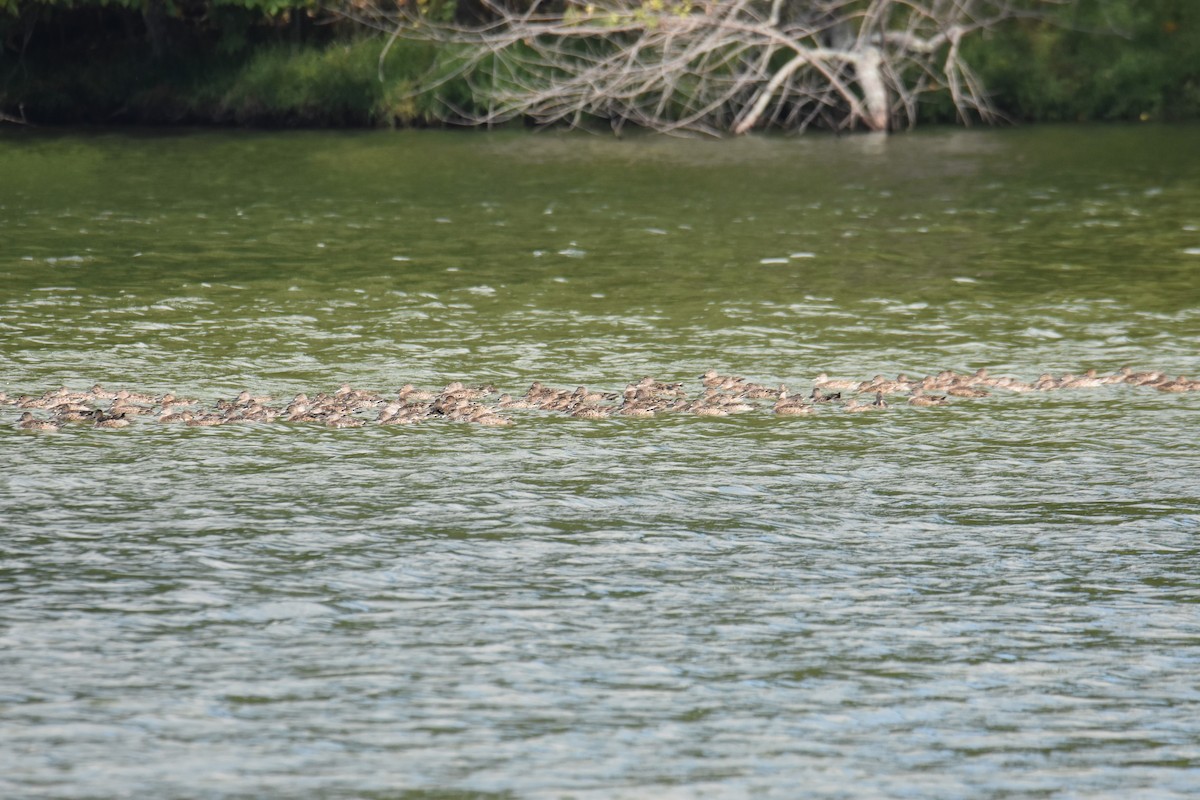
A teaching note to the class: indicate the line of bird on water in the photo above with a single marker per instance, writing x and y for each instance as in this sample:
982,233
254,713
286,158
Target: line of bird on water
719,396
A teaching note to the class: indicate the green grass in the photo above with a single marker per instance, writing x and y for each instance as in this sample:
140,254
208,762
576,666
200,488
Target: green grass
334,84
338,84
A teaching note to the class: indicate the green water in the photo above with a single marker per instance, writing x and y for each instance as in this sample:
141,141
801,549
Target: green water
997,598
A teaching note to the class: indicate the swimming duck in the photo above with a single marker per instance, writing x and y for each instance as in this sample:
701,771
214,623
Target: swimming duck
1045,383
1011,385
28,422
787,406
919,398
796,409
755,391
819,396
826,383
410,394
1088,380
244,398
980,377
1180,384
714,380
591,412
966,391
125,409
132,397
205,421
649,384
492,420
169,399
75,414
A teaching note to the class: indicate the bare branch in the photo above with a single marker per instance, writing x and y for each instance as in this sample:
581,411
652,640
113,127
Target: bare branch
704,66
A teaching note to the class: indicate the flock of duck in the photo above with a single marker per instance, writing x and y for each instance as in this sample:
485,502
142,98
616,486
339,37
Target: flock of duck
718,396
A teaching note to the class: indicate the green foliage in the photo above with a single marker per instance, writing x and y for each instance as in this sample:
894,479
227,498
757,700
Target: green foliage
172,8
266,62
1100,60
336,84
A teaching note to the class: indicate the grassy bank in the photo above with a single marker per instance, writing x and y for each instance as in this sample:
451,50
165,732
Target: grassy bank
1102,60
272,84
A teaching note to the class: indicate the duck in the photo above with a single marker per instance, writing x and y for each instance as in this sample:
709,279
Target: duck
26,401
787,406
819,396
74,414
714,380
796,409
398,419
824,382
170,399
244,398
594,398
653,386
754,391
702,409
980,377
409,393
919,398
1088,380
1011,385
490,418
125,409
1180,384
855,407
1045,382
591,412
508,401
901,385
132,397
390,410
205,421
28,422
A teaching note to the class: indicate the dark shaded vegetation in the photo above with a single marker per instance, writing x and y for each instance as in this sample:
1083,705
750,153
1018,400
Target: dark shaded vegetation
1099,60
286,63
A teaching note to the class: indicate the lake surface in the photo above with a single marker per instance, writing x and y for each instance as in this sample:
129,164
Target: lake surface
998,598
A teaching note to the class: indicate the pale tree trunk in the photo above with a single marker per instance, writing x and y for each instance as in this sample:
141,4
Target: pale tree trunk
876,107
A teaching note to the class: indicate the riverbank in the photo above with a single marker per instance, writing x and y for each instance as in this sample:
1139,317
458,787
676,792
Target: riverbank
97,66
336,84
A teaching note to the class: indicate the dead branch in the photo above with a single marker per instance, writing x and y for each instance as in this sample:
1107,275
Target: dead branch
709,66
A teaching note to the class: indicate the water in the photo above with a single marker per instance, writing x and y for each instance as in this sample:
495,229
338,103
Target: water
997,598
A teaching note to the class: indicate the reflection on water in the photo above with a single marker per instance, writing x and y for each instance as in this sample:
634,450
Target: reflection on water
995,598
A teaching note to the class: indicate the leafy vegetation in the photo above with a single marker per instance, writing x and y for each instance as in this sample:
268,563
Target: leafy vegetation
293,62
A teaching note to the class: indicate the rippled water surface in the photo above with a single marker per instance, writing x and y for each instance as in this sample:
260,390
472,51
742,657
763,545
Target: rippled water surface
998,598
